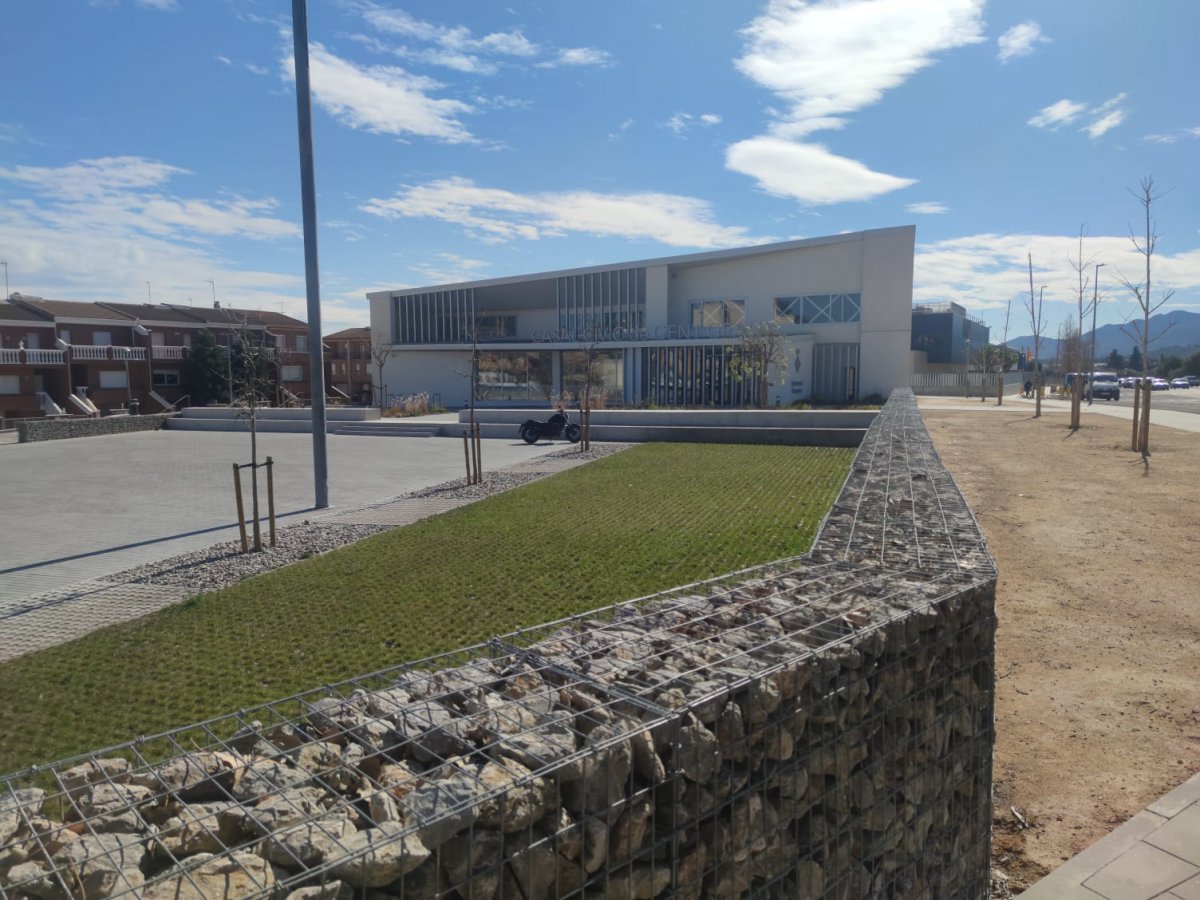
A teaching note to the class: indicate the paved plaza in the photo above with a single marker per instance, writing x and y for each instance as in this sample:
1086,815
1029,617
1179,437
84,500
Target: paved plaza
78,510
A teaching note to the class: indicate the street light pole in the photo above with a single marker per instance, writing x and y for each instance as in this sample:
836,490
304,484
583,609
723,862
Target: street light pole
7,295
149,299
1095,300
312,279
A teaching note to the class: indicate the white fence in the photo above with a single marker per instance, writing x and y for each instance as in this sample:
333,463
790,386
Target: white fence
949,384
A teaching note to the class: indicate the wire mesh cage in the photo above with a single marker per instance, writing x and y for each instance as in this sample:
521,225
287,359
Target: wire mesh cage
817,727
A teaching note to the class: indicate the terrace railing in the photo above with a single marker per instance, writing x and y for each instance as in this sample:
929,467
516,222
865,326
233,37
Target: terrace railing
163,352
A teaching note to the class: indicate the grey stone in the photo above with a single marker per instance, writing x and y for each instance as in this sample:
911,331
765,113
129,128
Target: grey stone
440,809
15,808
308,843
201,877
201,828
378,856
520,798
195,776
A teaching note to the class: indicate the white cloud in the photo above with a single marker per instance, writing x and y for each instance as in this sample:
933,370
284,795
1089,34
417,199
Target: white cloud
625,125
496,215
831,58
928,208
1054,116
97,229
984,271
169,5
1105,117
222,58
457,47
450,268
381,99
826,59
1169,137
808,172
577,56
1109,115
681,121
1020,40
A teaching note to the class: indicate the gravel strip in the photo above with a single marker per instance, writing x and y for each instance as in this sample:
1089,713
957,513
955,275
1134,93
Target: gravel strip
224,564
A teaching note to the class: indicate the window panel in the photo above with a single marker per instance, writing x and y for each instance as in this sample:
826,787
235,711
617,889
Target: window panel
113,380
293,373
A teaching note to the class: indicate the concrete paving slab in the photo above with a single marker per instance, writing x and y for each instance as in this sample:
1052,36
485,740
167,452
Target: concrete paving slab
85,508
1142,873
1189,890
1151,855
1180,835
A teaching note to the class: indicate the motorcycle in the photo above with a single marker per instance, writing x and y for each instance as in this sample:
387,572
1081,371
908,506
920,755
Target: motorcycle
556,427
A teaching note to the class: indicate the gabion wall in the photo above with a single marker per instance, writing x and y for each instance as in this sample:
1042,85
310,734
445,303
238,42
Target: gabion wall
817,727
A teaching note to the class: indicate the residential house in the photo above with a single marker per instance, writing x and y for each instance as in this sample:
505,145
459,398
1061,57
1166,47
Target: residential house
348,365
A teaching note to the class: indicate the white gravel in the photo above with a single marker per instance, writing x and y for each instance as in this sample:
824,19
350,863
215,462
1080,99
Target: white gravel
222,565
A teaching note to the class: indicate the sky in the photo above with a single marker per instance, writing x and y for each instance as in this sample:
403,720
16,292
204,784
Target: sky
148,148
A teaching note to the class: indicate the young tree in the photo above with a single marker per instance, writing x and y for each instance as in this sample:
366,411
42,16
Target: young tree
1034,306
1140,331
250,372
381,349
1076,364
760,358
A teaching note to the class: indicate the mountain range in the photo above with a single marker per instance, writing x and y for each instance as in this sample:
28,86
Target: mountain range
1178,333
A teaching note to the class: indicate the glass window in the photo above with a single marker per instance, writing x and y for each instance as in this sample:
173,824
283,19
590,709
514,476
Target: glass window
293,373
823,309
608,375
302,342
113,380
517,375
165,378
787,310
187,340
718,313
33,341
10,384
64,335
102,338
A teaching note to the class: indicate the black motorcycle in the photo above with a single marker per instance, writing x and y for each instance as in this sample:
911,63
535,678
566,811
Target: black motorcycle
556,427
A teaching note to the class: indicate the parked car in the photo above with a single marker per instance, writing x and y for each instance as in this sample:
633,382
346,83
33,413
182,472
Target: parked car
1180,383
1192,380
1104,386
1159,384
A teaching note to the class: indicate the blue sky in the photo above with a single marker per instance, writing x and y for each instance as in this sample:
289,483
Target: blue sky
155,141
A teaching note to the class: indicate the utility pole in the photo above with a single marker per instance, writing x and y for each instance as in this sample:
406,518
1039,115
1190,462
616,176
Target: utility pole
149,299
308,198
7,295
1095,300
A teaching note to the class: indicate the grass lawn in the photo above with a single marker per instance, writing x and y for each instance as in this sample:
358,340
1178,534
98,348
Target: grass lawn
644,520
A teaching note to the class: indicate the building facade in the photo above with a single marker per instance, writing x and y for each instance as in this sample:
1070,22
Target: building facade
348,366
63,357
946,333
668,331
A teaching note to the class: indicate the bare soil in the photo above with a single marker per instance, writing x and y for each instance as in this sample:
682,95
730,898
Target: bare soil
1098,645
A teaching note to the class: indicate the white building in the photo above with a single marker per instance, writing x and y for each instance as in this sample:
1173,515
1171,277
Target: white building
664,331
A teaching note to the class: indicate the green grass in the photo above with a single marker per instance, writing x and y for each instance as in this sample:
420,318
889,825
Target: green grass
644,520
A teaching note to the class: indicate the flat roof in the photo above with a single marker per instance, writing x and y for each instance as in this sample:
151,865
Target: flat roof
680,261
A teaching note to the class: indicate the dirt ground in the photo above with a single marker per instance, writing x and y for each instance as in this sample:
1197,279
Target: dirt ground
1098,645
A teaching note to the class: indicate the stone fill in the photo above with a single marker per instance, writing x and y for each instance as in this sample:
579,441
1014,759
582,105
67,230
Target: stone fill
817,727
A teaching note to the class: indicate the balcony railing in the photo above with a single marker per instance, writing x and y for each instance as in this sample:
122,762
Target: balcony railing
81,352
43,357
130,353
10,357
164,352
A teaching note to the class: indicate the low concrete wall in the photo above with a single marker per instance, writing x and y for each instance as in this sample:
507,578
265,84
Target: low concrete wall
284,414
711,418
55,429
820,727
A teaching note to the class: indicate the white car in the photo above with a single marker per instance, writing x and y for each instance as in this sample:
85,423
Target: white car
1159,384
1180,383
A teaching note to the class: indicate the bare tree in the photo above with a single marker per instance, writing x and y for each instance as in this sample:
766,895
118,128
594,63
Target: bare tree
760,358
381,349
1140,331
249,366
1034,306
1004,352
1075,362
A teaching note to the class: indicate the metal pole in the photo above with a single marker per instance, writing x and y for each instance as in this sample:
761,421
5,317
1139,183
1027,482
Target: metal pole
7,295
1095,299
308,196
